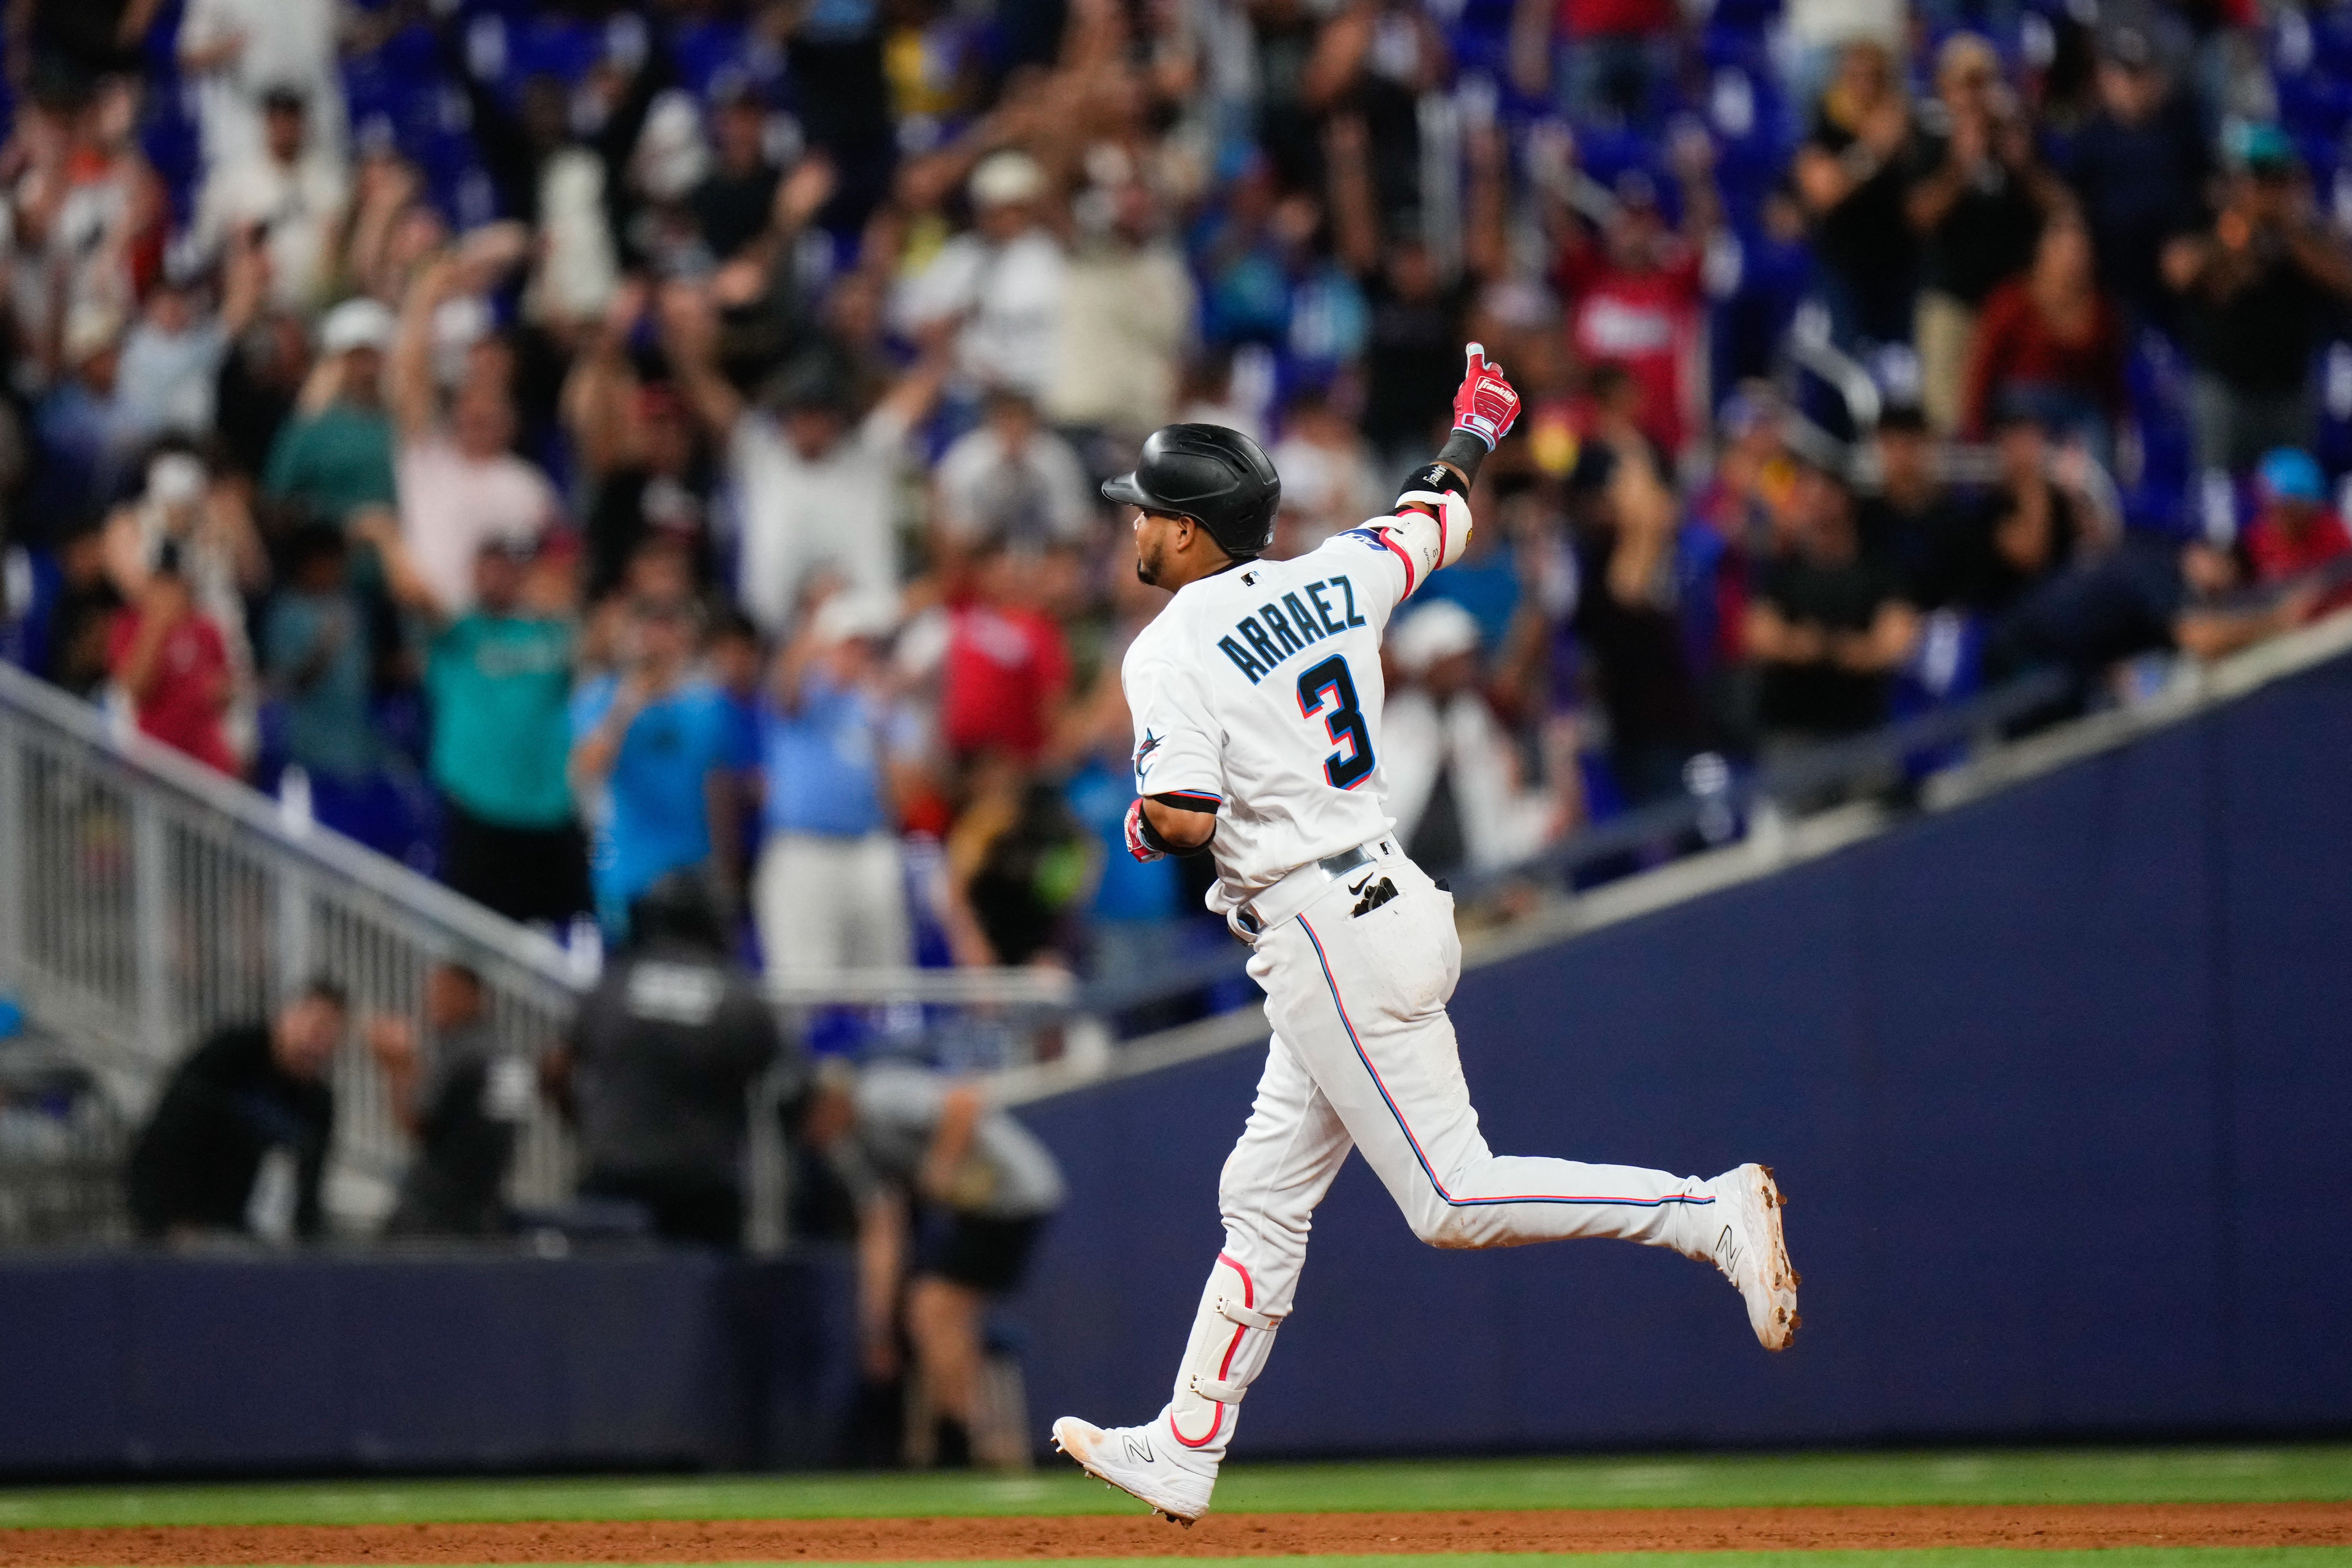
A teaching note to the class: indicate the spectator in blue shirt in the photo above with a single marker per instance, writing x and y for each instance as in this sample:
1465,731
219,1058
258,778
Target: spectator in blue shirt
499,679
652,745
832,892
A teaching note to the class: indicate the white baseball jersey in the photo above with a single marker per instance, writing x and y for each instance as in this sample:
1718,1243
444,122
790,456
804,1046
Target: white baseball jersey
1257,692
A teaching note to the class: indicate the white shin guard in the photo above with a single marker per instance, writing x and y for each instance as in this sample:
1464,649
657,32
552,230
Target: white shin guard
1230,1339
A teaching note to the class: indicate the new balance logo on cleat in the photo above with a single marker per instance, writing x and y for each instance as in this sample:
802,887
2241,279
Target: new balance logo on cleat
1137,1449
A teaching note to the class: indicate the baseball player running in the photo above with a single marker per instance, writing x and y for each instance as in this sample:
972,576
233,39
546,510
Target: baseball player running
1256,695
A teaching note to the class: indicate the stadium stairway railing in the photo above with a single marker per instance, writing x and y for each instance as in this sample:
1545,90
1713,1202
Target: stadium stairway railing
145,900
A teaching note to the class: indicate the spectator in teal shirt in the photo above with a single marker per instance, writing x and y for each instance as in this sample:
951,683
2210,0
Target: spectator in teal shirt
334,455
657,744
499,679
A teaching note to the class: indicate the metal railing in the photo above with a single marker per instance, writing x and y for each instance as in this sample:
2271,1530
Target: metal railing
144,900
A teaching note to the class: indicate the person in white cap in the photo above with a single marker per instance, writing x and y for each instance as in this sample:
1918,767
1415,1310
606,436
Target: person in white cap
334,455
289,192
1453,776
830,892
1003,280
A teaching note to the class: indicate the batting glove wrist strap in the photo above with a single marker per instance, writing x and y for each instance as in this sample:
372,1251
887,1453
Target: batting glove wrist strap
1435,478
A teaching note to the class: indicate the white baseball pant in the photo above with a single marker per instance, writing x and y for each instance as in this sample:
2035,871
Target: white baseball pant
1364,1056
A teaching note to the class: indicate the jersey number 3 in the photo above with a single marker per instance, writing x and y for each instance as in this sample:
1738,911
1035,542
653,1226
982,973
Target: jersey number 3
1329,684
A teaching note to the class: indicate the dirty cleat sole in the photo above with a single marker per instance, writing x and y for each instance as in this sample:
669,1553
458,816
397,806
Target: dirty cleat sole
1752,1250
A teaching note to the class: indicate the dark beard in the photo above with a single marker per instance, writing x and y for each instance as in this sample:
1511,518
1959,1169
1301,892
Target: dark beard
1146,571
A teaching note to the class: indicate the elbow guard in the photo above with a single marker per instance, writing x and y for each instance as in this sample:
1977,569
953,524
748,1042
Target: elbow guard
1435,538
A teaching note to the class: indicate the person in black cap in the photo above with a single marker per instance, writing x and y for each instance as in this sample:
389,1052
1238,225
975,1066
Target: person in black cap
2137,167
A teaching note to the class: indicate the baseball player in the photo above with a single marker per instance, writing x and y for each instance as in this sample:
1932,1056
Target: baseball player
1256,695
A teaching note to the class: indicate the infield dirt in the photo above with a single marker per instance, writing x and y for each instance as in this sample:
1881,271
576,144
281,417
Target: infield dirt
1220,1535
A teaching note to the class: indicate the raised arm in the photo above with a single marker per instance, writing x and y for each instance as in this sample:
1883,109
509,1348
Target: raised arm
408,372
689,331
596,395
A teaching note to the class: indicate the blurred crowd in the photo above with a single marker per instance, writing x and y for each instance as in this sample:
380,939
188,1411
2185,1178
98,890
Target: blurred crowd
562,444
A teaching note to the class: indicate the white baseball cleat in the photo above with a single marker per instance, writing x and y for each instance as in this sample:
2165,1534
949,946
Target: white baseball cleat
1140,1461
1753,1253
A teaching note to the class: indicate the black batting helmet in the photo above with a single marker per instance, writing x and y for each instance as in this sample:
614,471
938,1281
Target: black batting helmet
1218,478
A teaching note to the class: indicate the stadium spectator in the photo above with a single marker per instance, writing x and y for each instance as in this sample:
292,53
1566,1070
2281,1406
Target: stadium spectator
1626,615
1329,481
1849,175
1455,780
2137,166
286,195
1827,624
650,473
88,437
2294,533
1128,306
1632,289
1915,519
815,482
316,659
202,1164
239,51
1611,56
1010,478
172,356
462,1095
997,289
1977,201
2030,528
333,456
460,483
952,1195
498,674
652,744
655,1072
733,201
1416,313
60,51
2051,345
834,744
1006,664
2256,288
203,519
169,660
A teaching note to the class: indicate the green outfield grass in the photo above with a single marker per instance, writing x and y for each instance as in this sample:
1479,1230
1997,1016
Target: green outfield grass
2275,1474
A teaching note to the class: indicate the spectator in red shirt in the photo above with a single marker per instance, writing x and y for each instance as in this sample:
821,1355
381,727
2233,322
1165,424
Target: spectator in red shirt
171,662
1007,667
2294,533
1634,288
2049,344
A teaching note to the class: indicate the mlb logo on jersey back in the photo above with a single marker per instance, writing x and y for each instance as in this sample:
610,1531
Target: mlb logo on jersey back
1259,642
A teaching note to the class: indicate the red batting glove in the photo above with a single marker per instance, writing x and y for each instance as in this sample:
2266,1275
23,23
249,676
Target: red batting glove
1136,846
1487,403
